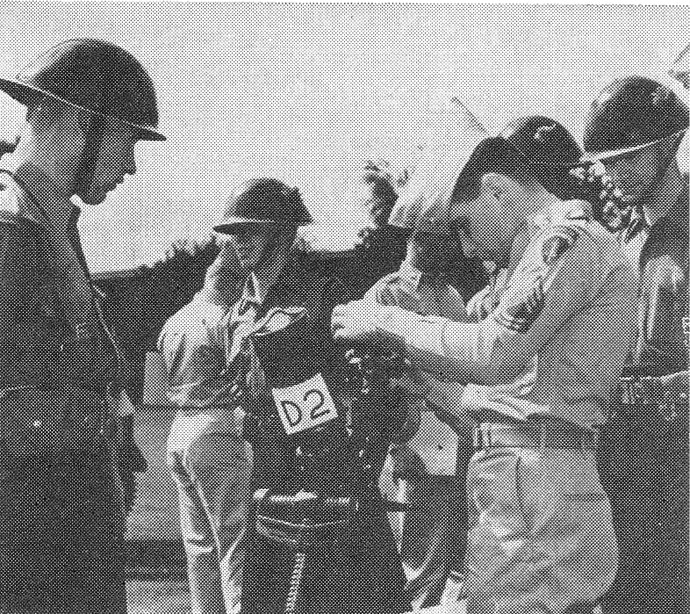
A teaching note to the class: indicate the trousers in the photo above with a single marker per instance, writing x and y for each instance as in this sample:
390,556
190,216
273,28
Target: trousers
211,467
541,538
643,462
430,534
62,535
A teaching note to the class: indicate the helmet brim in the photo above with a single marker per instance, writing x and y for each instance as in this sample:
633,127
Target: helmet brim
28,95
625,151
229,226
563,165
614,153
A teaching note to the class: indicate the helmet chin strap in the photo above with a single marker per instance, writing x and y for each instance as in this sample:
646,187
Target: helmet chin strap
85,173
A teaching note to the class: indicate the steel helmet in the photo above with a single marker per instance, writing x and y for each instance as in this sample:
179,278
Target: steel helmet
550,150
263,201
630,114
543,141
93,75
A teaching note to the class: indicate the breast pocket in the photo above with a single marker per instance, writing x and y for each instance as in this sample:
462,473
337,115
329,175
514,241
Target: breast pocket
665,300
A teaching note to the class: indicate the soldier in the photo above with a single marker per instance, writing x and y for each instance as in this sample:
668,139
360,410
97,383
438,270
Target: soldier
61,518
634,127
209,460
681,72
552,153
541,537
428,472
279,329
381,247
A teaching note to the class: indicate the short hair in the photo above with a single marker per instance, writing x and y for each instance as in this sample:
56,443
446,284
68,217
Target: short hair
492,155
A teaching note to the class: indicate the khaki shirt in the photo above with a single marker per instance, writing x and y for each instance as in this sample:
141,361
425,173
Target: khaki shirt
659,255
192,347
435,443
569,303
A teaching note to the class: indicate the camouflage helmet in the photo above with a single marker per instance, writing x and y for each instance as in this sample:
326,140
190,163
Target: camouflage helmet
93,75
630,114
263,201
543,141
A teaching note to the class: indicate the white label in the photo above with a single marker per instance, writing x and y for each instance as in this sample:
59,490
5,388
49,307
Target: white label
304,406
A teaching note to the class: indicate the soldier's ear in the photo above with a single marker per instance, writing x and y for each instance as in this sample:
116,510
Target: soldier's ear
494,185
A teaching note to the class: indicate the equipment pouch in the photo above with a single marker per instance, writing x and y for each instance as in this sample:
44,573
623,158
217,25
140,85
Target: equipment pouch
50,422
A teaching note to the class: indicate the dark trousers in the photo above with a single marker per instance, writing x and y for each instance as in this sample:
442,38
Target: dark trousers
61,535
643,462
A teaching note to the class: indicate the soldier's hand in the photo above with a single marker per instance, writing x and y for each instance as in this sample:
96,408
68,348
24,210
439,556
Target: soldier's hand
355,323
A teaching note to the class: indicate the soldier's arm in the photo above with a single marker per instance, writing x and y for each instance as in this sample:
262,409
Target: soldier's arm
194,361
440,394
498,349
18,284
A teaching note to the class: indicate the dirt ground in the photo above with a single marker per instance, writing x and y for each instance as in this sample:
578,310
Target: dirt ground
147,597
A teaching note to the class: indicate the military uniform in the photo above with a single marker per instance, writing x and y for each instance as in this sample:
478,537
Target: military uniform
209,460
540,371
428,472
61,506
644,453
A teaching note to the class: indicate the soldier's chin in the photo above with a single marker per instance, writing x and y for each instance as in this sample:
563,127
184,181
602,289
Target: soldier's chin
95,196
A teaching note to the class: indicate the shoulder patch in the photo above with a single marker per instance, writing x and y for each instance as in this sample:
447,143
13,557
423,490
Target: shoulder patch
558,240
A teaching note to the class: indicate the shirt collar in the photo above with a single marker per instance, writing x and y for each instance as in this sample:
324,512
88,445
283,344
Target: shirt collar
50,208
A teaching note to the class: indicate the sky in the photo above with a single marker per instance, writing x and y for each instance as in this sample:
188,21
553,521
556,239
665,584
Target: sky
307,92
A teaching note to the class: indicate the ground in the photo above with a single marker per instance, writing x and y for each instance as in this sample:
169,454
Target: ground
157,597
156,581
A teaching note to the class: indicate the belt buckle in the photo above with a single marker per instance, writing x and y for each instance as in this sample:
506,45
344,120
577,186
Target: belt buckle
630,391
477,437
481,437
